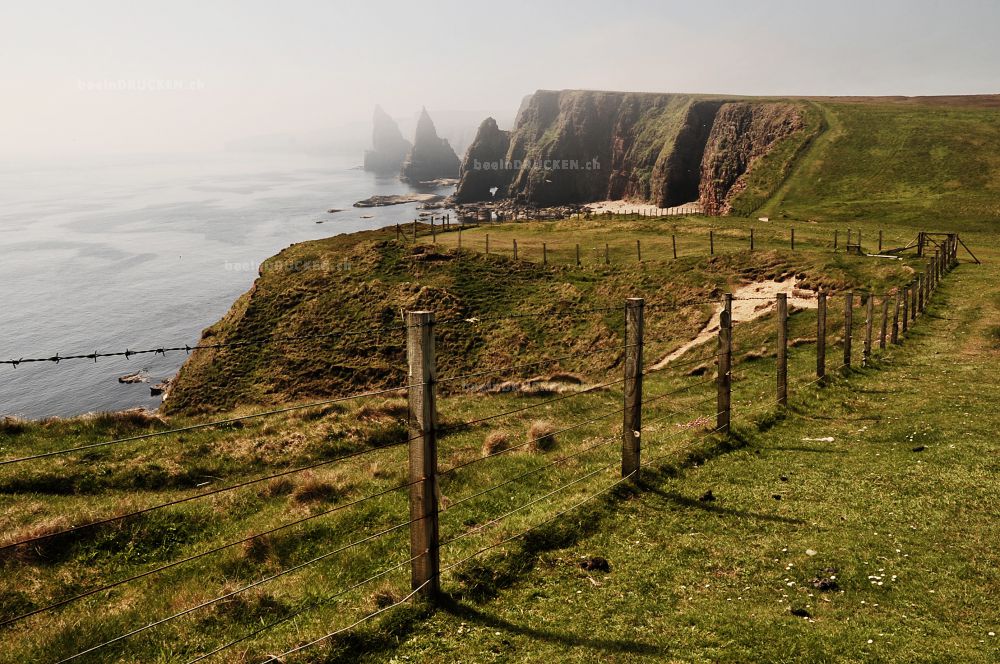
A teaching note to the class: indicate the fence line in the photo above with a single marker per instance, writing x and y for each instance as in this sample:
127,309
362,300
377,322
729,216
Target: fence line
423,524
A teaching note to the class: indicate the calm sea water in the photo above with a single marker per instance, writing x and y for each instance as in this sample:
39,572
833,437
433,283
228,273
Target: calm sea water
140,253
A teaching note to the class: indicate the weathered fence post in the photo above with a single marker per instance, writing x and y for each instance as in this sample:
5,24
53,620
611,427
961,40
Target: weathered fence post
725,378
434,235
545,254
920,244
487,243
673,243
632,425
821,335
914,287
578,255
425,566
869,321
895,318
906,309
460,236
607,255
885,322
751,239
848,328
921,287
515,249
727,304
782,349
711,243
793,239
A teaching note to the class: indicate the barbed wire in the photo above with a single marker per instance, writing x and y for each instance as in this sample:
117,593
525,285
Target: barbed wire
233,593
202,554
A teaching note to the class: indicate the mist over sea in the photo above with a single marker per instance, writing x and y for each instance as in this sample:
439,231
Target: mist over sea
146,252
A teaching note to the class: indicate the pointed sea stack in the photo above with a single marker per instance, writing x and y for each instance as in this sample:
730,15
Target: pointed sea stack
389,148
431,157
485,168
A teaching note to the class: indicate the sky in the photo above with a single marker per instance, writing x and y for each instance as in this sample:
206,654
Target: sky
200,74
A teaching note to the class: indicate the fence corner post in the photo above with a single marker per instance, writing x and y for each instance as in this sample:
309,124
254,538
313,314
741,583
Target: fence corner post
632,425
782,393
725,378
424,542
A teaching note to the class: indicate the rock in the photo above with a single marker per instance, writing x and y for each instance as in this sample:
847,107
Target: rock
776,496
160,388
919,448
595,564
801,613
137,377
431,157
334,210
389,148
485,169
707,497
397,199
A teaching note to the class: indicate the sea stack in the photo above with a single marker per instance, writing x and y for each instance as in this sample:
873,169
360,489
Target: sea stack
431,157
485,173
389,148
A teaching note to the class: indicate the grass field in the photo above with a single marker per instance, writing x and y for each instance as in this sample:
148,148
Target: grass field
875,545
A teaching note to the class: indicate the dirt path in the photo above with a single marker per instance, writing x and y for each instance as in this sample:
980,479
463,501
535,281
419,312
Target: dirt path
622,207
749,303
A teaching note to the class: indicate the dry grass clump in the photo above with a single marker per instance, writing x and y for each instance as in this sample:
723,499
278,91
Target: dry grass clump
388,408
311,488
541,436
384,597
134,418
801,341
258,549
12,426
279,486
496,441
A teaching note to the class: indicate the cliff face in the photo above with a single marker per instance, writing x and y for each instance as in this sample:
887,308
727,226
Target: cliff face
582,146
484,166
389,148
431,156
741,134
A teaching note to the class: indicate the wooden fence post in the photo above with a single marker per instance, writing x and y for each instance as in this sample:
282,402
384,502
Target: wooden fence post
515,249
711,243
866,356
434,235
848,328
821,335
921,287
424,550
920,244
487,243
751,239
607,255
673,243
545,254
914,287
638,251
885,322
793,239
906,309
632,425
895,318
782,349
578,255
725,379
460,236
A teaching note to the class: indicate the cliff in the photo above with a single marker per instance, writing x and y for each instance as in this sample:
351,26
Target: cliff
577,146
389,148
741,134
431,156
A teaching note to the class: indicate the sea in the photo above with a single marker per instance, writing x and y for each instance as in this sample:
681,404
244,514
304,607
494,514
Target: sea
104,255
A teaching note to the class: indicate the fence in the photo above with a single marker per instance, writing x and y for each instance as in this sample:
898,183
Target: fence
423,481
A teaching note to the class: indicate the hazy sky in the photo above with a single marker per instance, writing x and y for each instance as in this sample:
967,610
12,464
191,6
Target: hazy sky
282,66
